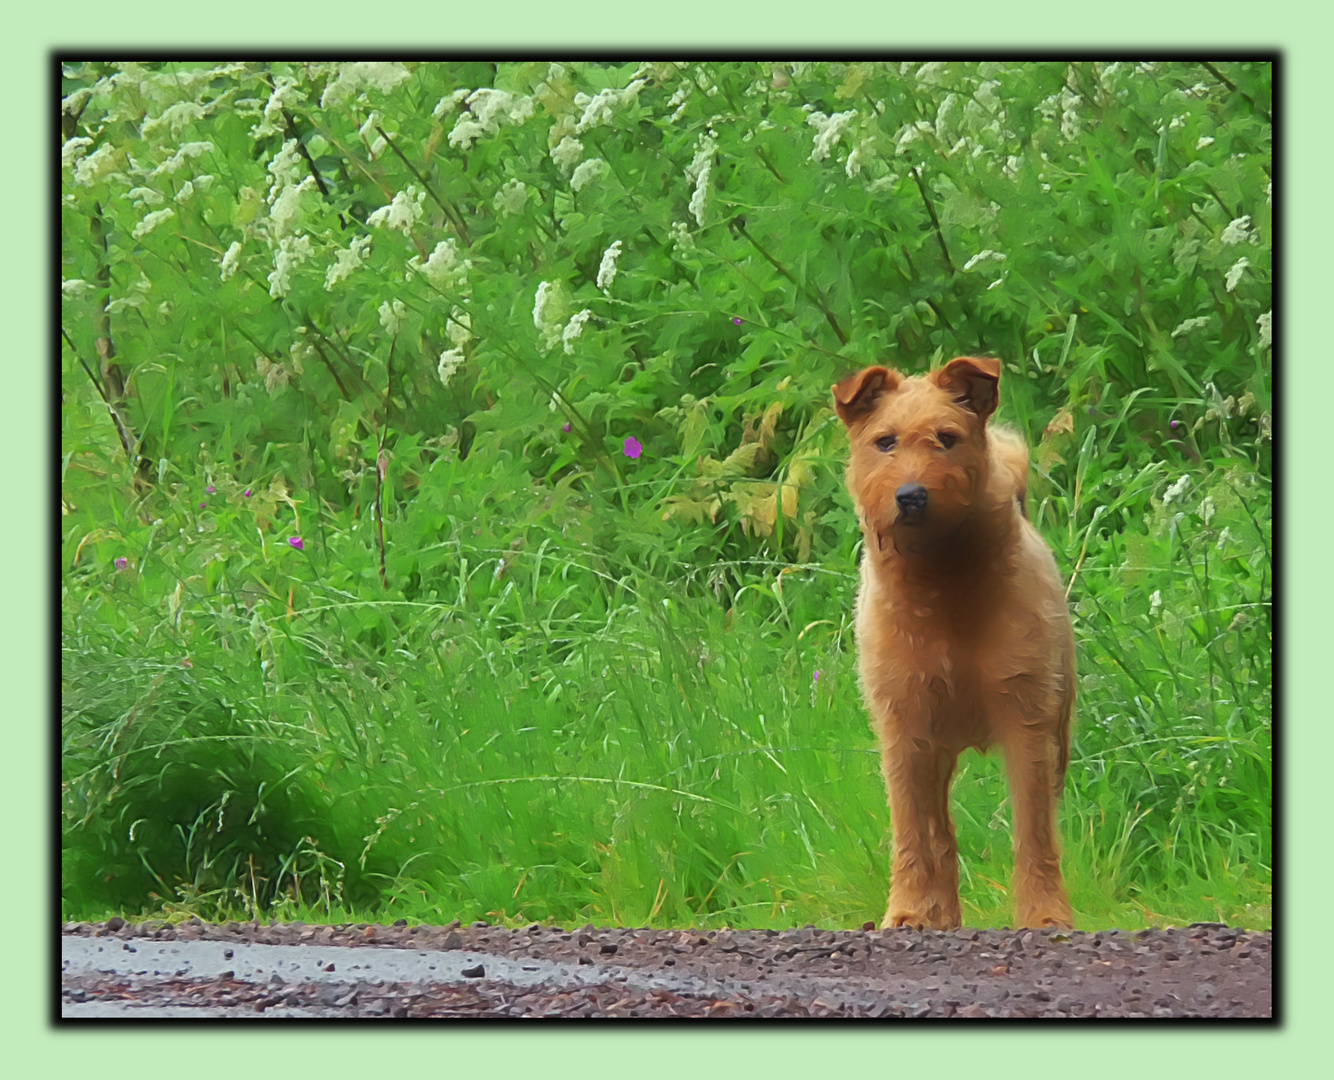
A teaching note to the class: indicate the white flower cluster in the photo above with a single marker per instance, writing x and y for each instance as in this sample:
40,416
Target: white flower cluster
286,207
1176,490
96,165
1069,115
403,212
1266,324
587,172
392,314
857,158
187,151
1238,231
983,256
1234,274
567,153
1191,324
229,259
540,306
368,129
444,266
910,133
352,77
143,196
132,300
75,288
697,172
152,221
827,131
547,326
458,328
290,253
272,374
511,197
446,105
679,100
285,190
176,117
345,261
1067,101
73,150
286,95
489,109
982,114
1205,140
450,361
284,168
548,322
601,108
681,238
944,119
573,329
607,271
188,189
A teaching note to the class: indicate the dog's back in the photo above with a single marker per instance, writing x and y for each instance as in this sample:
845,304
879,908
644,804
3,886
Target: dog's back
1009,462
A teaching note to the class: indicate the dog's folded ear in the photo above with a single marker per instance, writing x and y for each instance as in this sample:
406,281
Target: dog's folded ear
974,382
856,395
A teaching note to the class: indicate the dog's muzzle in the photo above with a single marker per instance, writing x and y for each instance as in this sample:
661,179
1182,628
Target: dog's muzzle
911,500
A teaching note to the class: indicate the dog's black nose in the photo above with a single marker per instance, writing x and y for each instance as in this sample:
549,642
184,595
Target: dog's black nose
911,499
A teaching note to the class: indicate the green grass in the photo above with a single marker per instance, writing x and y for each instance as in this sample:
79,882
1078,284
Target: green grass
561,745
581,685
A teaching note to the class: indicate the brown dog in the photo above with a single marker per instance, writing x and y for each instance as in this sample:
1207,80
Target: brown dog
962,628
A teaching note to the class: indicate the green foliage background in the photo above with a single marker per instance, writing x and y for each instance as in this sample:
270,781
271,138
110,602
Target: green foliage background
563,336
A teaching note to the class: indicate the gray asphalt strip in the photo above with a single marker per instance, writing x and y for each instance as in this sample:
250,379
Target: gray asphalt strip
294,964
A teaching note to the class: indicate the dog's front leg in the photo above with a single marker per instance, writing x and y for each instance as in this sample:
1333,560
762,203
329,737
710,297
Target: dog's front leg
1031,756
924,877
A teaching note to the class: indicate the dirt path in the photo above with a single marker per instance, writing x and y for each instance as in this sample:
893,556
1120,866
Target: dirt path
249,969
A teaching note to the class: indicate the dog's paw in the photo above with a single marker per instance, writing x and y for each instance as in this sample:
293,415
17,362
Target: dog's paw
1057,917
916,921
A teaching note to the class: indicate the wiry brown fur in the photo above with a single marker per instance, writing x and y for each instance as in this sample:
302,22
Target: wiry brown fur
963,632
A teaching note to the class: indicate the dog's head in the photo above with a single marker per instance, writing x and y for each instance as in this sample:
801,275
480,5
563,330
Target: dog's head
918,467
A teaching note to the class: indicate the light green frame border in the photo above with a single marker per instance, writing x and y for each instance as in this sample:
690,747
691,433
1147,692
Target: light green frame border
642,1052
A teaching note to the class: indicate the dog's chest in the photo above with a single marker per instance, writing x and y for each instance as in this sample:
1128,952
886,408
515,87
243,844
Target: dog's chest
925,663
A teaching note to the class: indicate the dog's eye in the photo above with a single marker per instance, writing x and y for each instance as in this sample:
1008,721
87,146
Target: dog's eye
886,443
946,439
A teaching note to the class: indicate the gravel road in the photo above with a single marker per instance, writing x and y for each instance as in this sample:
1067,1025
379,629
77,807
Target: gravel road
245,970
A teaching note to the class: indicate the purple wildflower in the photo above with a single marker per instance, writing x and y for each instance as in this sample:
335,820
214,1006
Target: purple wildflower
736,321
202,505
816,679
209,489
122,563
633,448
296,542
565,427
247,493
